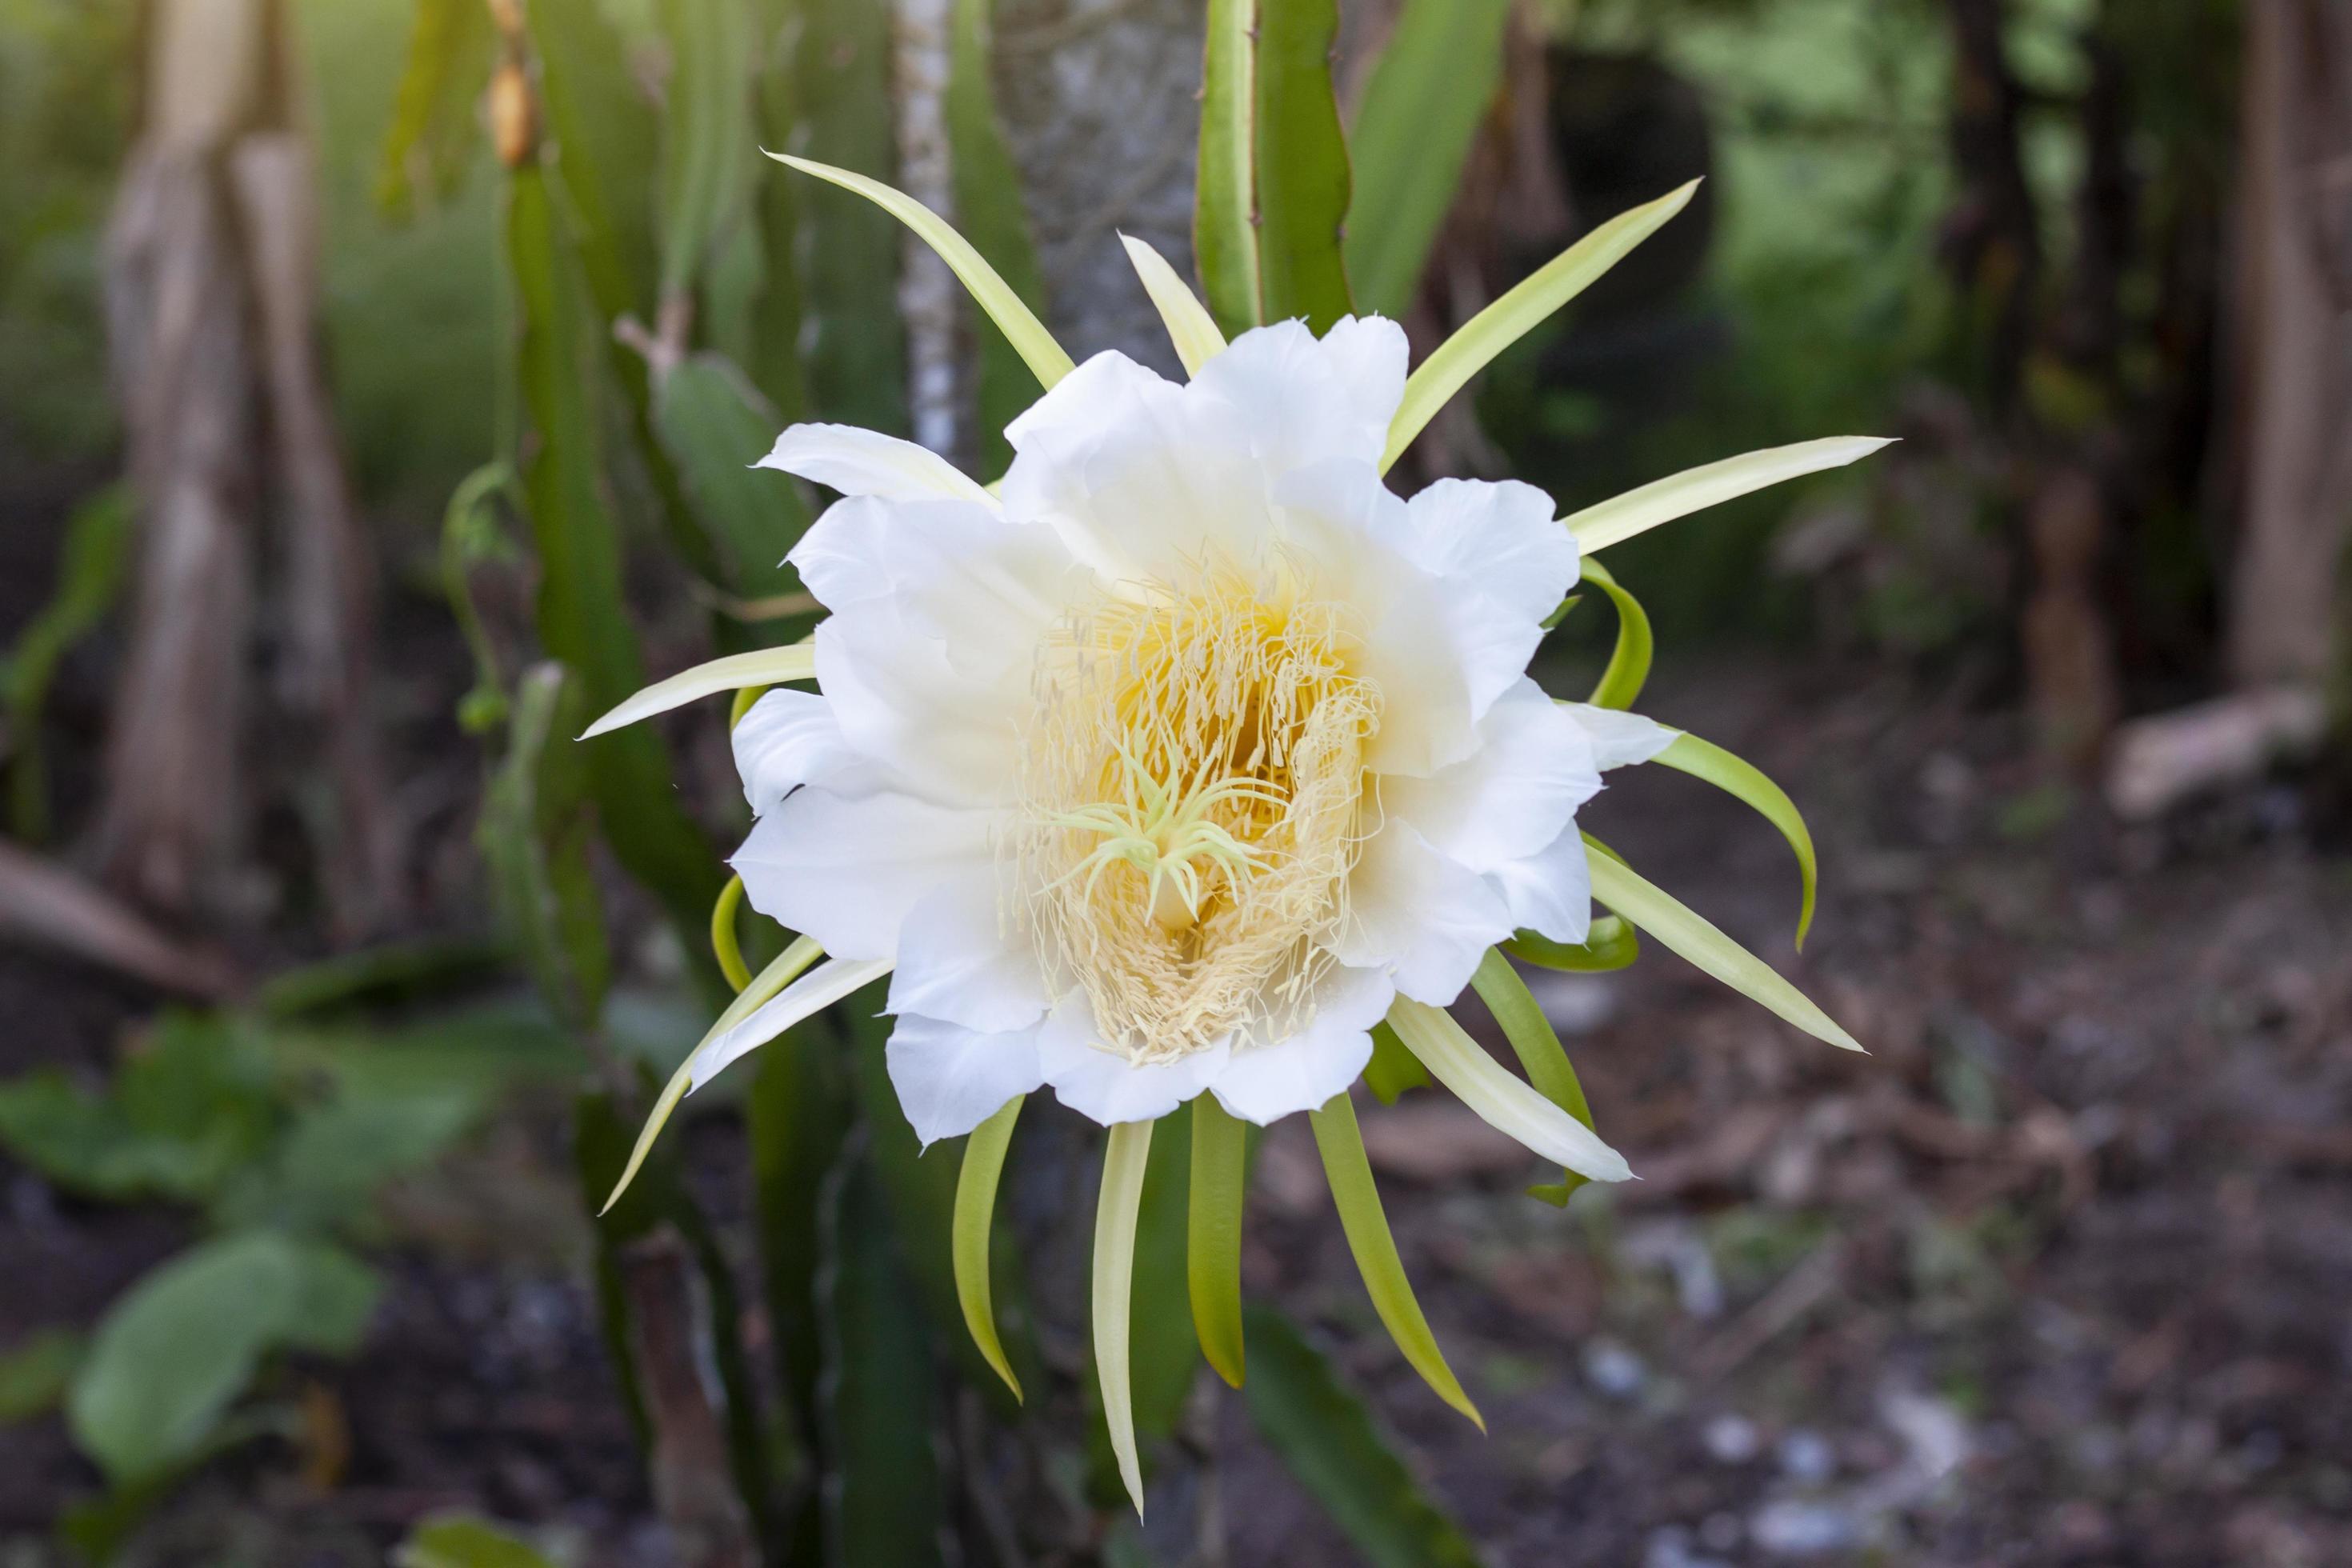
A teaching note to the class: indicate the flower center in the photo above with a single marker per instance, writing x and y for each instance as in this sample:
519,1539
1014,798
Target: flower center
1192,791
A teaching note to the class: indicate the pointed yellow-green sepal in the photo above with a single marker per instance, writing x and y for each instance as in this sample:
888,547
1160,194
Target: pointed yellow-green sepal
1190,326
1695,489
1746,783
1616,886
1540,1054
1124,1157
1508,318
762,990
760,667
1022,329
1501,1100
1629,662
975,1213
724,944
1341,1142
1213,1251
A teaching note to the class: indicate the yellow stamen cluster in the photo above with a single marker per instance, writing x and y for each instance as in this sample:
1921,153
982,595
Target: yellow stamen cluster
1193,787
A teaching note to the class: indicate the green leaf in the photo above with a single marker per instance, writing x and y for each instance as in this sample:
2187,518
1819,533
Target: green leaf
435,129
33,1375
605,136
388,974
454,1541
1477,341
334,1297
183,1115
1629,663
583,613
991,213
797,1114
1301,157
1045,357
1214,1243
884,1491
536,832
715,425
1341,1143
1393,1069
326,1169
707,135
854,342
1225,199
1540,1054
93,564
182,1342
1327,1437
1681,931
1611,944
922,1191
1745,782
1422,108
1273,191
1125,1157
1638,510
975,1216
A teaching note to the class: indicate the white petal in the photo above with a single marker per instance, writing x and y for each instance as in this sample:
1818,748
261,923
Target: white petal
1136,476
821,987
1303,401
1103,1084
1501,540
1440,652
1427,917
1619,739
866,546
788,739
1550,891
867,463
960,959
1266,1082
1512,796
1506,1103
952,735
950,1078
839,559
846,869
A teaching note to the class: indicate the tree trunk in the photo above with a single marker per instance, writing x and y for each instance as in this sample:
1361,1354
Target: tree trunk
2294,371
212,287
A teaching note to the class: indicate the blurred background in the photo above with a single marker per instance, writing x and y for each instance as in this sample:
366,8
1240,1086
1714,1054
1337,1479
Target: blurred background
376,382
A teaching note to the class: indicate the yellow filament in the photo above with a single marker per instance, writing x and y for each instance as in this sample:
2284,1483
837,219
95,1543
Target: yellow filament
1194,785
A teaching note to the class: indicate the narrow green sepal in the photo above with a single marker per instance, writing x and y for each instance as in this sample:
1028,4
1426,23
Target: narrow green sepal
1611,944
1341,1142
1685,931
1629,663
1124,1157
975,1213
1393,1069
1748,784
1539,1051
1212,1254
